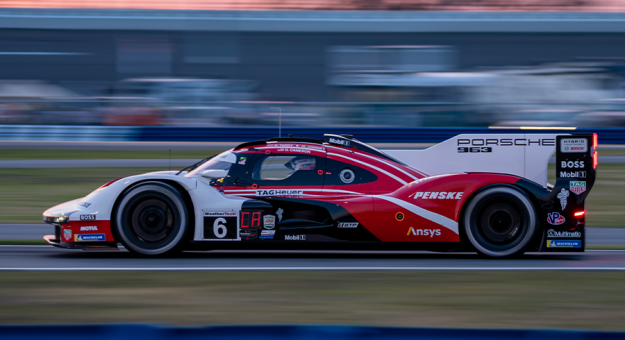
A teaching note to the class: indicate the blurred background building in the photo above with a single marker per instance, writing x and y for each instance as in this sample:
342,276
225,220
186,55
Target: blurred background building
324,63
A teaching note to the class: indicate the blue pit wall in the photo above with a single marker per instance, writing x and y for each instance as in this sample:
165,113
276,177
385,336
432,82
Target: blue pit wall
123,332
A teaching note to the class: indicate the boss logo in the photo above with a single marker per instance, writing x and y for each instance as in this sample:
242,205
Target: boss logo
572,164
507,142
90,217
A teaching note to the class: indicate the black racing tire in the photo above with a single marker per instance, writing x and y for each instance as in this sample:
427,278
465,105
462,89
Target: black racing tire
500,222
152,219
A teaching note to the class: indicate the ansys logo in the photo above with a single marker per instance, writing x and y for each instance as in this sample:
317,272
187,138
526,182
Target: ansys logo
424,232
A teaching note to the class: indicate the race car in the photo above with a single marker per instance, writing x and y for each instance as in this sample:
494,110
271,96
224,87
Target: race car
485,193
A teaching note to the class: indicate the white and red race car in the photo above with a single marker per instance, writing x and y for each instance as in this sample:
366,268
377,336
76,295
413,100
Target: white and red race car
484,193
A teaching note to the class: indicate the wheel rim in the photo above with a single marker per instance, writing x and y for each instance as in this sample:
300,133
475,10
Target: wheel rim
151,221
500,223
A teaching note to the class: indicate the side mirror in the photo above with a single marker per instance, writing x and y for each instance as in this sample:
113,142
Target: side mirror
215,173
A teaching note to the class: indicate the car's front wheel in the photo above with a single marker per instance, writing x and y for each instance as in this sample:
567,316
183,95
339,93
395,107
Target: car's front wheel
152,219
500,221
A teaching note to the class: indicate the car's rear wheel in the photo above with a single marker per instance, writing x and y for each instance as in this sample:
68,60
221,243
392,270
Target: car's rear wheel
500,222
152,219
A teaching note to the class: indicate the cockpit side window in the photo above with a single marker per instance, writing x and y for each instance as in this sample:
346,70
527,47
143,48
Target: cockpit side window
277,168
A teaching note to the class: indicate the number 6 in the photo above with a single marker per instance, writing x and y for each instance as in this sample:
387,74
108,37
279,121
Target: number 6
219,229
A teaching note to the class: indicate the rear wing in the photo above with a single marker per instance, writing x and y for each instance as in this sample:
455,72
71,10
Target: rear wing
523,155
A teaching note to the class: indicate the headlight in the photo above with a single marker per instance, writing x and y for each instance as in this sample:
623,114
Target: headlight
62,217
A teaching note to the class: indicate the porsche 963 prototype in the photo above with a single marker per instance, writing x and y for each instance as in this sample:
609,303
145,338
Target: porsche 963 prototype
486,193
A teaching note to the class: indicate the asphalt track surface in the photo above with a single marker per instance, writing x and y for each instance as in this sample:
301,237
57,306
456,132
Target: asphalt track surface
48,258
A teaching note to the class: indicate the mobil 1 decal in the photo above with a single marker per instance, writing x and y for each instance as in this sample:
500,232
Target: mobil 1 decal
220,225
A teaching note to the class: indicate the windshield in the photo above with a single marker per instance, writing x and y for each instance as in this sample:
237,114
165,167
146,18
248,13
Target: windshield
222,161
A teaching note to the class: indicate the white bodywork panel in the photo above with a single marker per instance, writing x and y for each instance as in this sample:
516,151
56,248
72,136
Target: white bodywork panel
523,155
100,202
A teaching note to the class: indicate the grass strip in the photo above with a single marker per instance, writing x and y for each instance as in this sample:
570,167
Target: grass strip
560,300
27,193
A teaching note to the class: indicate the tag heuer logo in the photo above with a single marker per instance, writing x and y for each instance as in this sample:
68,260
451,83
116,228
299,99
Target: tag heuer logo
577,187
67,234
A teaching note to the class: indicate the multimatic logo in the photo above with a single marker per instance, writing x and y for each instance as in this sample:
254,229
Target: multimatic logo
554,233
480,145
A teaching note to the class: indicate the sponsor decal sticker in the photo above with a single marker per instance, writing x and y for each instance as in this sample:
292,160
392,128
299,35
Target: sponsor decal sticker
85,204
562,196
267,234
279,212
577,187
343,142
248,234
242,160
220,213
348,225
572,174
572,164
555,218
554,233
67,234
89,237
295,237
563,244
424,232
569,145
89,217
269,221
438,195
89,228
347,176
279,192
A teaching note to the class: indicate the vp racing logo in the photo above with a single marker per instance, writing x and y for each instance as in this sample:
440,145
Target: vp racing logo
424,232
555,218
